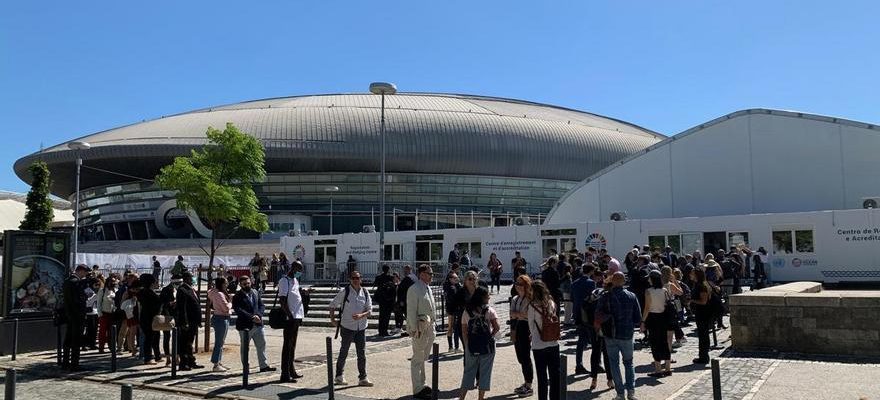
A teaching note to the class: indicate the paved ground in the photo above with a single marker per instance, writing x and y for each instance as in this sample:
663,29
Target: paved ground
743,376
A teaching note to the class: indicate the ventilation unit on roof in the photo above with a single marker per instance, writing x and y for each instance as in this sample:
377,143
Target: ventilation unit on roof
870,202
618,216
369,228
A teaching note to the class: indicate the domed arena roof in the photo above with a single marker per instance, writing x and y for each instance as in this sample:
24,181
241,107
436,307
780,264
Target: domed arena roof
425,133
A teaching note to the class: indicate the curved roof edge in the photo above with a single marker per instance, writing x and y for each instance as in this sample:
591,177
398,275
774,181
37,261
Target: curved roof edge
456,95
716,121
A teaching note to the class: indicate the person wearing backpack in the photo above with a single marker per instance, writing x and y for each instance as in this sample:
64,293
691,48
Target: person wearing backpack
355,307
544,329
581,289
599,353
622,312
479,324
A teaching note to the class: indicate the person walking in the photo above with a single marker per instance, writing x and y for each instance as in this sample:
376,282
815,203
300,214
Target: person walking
75,312
420,312
622,308
221,305
168,296
249,308
656,323
541,315
479,325
292,304
188,319
581,289
495,269
451,288
150,304
355,307
519,333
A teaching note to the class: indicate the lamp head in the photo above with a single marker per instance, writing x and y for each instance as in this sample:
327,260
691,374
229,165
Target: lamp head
383,88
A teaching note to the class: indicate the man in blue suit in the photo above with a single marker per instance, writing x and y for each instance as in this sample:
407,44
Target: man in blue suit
248,307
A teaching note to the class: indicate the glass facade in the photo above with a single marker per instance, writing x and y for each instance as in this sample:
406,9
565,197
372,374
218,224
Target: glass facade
413,201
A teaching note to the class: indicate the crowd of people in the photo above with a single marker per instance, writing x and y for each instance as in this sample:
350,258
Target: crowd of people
592,294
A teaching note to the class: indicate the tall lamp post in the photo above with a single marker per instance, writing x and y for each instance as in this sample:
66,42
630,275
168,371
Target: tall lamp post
77,146
382,88
331,190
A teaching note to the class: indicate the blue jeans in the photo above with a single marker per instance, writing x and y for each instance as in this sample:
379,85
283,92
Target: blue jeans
616,348
584,339
474,363
220,323
255,333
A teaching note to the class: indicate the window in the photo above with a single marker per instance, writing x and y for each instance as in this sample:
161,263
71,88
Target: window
548,244
475,249
392,252
735,239
661,241
782,243
691,242
656,242
803,241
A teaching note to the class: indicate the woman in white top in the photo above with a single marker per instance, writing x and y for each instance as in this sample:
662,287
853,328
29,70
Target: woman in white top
670,283
654,321
106,307
519,332
546,353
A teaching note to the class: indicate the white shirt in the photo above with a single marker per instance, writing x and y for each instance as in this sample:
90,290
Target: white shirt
658,299
289,287
358,301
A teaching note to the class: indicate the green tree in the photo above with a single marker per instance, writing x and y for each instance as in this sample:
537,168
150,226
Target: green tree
216,182
39,213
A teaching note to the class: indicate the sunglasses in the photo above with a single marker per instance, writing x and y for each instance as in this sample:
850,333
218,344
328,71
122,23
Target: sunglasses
355,278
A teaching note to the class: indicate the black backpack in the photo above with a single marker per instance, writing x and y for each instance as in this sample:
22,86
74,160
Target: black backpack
480,339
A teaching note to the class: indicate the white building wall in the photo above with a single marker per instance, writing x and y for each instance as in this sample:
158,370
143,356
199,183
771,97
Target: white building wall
753,161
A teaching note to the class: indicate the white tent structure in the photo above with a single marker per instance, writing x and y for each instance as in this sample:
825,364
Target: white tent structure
12,210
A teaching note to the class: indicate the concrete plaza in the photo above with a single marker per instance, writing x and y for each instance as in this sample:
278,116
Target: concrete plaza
743,376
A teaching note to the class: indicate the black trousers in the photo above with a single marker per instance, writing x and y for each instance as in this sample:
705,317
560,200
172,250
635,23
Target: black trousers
72,342
657,327
187,338
597,356
151,344
91,336
166,343
547,369
288,350
704,324
384,318
523,347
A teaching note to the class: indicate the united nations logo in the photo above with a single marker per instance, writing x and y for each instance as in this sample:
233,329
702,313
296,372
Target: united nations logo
299,252
778,262
596,241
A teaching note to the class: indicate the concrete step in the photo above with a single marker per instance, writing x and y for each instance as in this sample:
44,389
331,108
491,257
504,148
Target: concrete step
325,314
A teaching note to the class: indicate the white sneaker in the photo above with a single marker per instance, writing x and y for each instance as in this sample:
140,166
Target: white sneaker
219,368
340,381
365,382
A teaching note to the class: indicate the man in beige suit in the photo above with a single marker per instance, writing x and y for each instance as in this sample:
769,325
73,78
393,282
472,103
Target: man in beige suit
420,326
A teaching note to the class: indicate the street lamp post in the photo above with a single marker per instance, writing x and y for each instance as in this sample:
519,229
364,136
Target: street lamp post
331,189
77,146
382,88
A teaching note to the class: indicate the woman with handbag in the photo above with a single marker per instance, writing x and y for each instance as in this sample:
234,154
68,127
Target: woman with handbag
544,330
221,304
655,321
150,304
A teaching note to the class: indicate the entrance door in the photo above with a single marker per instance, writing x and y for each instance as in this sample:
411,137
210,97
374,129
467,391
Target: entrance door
325,260
714,241
429,249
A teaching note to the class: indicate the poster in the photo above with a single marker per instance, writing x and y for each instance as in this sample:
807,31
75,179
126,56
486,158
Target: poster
34,269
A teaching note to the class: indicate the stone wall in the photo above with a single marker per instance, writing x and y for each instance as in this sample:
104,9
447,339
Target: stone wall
800,317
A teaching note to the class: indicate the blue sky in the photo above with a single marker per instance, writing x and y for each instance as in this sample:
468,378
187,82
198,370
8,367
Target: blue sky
70,68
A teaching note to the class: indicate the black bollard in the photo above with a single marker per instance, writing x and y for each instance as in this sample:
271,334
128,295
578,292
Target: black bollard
245,364
58,336
126,392
10,384
563,376
330,368
716,380
174,352
112,344
15,340
714,336
435,372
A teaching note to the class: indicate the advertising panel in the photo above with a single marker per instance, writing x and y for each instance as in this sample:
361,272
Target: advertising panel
35,265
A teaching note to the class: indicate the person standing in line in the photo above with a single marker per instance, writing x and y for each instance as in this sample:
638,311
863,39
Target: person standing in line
519,332
654,322
168,296
599,353
75,312
565,281
249,308
150,305
283,267
221,304
451,287
622,308
495,269
420,312
274,265
106,308
355,307
386,294
702,311
550,278
188,320
157,270
546,353
91,334
292,304
479,325
399,305
454,255
256,267
402,289
581,289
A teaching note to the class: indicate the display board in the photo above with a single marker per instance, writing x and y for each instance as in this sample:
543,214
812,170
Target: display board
35,265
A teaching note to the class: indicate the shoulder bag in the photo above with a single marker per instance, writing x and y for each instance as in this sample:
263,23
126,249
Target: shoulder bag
277,315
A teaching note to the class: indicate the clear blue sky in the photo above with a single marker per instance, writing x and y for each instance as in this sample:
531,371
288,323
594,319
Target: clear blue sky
70,68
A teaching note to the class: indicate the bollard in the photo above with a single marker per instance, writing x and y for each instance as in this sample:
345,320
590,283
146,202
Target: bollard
245,364
714,336
112,344
716,380
58,336
174,352
563,376
126,392
10,384
330,368
435,372
15,340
